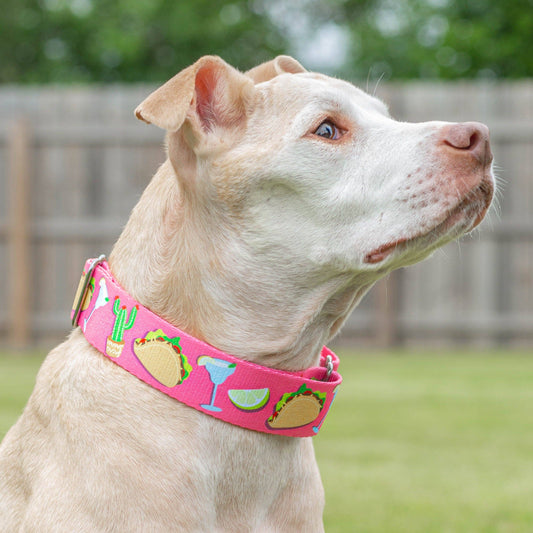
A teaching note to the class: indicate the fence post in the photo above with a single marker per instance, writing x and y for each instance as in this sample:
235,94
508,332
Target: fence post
386,324
19,280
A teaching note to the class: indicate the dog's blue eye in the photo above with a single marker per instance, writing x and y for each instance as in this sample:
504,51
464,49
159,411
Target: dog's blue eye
328,130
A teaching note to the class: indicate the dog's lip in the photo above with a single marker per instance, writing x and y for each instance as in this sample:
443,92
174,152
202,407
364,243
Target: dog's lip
476,202
381,253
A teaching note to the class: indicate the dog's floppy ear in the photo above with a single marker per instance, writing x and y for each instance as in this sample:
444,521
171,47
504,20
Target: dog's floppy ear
210,92
271,69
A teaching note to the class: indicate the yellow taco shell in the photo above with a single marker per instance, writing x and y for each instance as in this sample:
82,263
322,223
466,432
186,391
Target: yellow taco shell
161,361
297,412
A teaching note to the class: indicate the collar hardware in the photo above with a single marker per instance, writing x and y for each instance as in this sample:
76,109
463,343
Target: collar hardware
83,288
329,367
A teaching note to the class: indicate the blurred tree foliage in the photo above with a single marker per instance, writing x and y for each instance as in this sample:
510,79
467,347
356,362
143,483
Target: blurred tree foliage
444,39
148,40
125,40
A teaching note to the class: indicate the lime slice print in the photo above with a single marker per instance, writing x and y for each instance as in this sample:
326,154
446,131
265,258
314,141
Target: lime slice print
249,399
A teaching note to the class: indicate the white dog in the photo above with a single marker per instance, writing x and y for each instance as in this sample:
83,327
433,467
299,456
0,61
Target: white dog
285,196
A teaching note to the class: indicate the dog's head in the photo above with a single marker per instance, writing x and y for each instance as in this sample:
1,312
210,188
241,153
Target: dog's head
309,179
317,167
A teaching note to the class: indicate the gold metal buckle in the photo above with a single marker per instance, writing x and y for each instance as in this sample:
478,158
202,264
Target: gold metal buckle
84,285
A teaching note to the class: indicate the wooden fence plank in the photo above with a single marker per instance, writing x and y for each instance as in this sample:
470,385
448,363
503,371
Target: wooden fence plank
19,233
386,327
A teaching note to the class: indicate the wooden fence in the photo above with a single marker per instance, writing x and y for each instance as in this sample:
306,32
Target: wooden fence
73,162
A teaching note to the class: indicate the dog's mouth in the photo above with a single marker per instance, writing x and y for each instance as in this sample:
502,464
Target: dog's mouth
461,219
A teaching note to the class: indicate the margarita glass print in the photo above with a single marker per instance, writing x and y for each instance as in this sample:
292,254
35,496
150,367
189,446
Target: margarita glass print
219,370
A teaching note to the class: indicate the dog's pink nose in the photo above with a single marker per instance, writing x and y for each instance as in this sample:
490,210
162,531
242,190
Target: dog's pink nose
469,137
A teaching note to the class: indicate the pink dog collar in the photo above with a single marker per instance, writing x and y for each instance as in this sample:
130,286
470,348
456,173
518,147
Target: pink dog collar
193,372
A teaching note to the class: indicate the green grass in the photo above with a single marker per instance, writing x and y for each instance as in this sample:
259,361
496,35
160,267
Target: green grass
430,444
414,443
17,378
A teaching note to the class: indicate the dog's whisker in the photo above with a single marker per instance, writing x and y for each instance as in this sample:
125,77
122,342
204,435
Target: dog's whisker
377,83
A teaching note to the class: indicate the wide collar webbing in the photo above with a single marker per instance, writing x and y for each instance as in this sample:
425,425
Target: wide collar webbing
197,374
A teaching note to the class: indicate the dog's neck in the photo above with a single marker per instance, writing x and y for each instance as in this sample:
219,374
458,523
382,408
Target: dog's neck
170,260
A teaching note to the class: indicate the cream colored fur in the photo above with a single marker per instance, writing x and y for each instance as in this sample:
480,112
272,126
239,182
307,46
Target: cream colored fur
258,236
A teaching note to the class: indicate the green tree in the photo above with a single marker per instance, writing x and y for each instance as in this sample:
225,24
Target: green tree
121,40
444,39
147,40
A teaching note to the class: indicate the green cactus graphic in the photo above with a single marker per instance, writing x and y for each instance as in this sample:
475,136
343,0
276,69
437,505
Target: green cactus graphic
122,322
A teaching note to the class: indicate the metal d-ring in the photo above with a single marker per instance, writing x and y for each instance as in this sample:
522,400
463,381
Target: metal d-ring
329,367
83,292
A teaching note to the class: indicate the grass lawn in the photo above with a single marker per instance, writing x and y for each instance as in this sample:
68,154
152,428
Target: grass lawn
17,378
430,444
414,443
